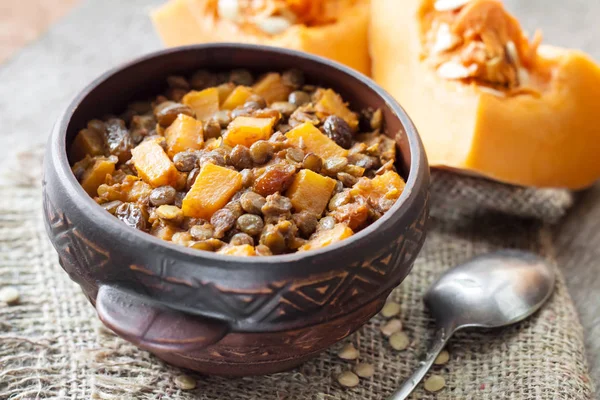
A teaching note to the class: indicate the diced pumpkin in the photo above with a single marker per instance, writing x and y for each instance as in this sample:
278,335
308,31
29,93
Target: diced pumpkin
315,141
310,192
95,175
153,165
212,189
240,250
331,103
344,38
272,88
87,142
541,132
185,133
204,103
247,130
326,237
387,187
237,97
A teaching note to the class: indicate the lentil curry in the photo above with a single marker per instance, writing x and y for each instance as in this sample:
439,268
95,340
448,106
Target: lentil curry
225,163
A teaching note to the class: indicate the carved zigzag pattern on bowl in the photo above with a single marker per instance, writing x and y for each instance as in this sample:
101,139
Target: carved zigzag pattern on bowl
288,300
76,252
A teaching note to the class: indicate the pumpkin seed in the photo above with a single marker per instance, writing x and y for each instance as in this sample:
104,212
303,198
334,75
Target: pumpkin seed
185,382
364,370
489,90
348,379
522,76
444,40
273,25
390,309
348,352
229,9
391,327
442,358
435,383
399,341
9,295
455,70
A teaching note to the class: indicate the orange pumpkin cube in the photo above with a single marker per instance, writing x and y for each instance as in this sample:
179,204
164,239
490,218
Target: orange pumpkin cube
271,88
237,98
331,103
212,189
315,141
388,186
95,175
153,165
240,250
326,237
310,192
204,103
87,142
247,130
185,133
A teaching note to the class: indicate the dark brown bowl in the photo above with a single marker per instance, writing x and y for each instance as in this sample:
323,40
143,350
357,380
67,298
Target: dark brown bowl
223,314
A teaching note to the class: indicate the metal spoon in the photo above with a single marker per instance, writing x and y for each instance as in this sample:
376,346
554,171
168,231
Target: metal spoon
488,291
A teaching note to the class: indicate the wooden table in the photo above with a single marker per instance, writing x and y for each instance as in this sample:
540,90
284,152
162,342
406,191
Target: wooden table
39,80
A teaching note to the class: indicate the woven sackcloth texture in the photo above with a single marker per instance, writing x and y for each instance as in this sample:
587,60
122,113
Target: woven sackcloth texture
52,346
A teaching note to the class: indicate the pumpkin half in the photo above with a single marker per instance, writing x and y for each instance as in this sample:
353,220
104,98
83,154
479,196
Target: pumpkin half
485,98
336,29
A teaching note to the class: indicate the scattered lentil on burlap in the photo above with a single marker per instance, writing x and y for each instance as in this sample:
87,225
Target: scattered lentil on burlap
348,379
348,352
9,295
390,309
399,341
434,383
364,370
442,358
391,326
185,382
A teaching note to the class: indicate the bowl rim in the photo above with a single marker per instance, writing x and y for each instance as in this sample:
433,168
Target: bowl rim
418,164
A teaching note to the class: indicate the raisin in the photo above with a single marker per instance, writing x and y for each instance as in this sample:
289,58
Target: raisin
338,130
132,215
276,178
118,139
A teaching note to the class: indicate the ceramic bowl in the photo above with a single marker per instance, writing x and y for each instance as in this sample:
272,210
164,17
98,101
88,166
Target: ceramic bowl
224,314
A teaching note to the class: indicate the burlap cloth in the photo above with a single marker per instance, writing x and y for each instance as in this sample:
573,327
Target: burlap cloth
51,345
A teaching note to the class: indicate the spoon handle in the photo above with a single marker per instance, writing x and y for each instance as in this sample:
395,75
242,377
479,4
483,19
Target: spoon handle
440,339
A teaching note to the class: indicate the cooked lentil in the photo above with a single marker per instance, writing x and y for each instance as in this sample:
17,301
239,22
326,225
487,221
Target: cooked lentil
299,98
148,171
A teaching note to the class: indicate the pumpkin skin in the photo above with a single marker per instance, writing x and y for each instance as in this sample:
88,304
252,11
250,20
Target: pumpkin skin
181,22
550,140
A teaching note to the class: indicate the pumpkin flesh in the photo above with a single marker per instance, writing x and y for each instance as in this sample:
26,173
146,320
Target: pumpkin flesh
336,29
525,120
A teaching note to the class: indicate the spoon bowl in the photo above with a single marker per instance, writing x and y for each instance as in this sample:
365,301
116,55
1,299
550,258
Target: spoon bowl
489,291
